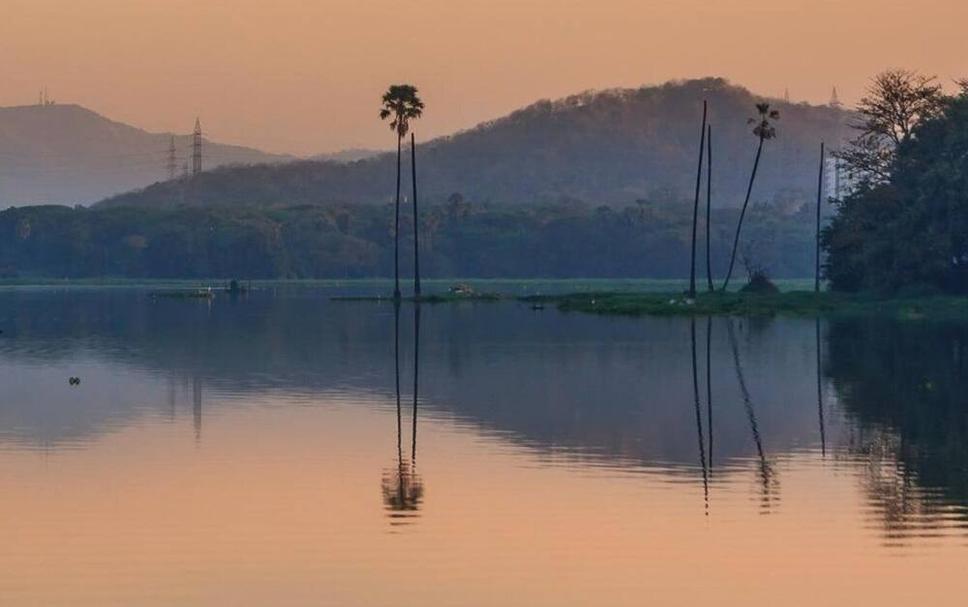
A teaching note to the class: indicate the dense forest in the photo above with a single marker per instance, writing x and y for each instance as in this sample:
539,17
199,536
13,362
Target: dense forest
608,147
460,238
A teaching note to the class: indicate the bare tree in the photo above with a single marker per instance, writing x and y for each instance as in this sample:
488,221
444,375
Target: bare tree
897,101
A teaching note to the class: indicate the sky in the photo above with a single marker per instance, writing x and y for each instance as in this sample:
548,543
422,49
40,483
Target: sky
305,76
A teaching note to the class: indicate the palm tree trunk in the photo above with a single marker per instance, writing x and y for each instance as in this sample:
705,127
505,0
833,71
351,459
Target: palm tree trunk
416,229
709,198
816,276
742,213
695,204
396,231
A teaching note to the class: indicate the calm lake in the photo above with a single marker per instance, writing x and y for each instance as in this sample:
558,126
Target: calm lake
281,448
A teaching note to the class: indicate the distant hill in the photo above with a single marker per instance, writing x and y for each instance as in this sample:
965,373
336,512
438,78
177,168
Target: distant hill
608,147
66,154
347,155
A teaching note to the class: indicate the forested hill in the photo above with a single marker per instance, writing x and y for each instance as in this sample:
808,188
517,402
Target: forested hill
67,154
611,147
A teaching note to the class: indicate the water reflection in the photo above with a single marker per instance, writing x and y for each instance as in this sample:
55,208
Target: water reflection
767,474
402,487
695,392
884,398
903,387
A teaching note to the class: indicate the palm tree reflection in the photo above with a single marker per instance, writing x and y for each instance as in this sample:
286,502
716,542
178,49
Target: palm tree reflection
402,487
695,393
197,406
823,433
767,476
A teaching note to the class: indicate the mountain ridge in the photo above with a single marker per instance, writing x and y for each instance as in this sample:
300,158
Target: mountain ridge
69,154
601,147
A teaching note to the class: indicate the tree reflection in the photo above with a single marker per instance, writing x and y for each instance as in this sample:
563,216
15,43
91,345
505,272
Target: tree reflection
695,393
402,487
903,385
767,476
823,433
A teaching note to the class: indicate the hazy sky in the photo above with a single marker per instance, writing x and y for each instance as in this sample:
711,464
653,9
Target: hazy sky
305,76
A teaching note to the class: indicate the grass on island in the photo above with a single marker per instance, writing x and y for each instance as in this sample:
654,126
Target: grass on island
796,303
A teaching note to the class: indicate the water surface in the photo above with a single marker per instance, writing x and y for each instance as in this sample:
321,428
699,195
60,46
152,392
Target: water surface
281,448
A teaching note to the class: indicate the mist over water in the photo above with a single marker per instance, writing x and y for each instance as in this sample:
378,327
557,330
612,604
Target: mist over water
284,448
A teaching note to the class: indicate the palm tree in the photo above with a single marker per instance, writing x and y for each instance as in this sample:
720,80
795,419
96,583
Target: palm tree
816,275
400,105
764,130
416,218
695,205
709,204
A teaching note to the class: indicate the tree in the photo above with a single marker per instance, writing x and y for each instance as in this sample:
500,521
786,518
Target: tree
816,268
416,218
695,204
911,232
897,101
764,131
400,105
709,204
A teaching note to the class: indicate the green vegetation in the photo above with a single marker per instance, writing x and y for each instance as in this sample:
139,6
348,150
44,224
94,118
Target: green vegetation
904,230
796,303
650,238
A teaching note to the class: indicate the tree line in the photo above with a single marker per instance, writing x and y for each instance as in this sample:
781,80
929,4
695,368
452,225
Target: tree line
904,227
461,238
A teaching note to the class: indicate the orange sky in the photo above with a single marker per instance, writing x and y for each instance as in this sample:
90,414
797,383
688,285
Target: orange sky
305,75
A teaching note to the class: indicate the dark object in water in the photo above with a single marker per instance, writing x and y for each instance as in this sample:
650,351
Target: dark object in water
74,381
237,288
761,284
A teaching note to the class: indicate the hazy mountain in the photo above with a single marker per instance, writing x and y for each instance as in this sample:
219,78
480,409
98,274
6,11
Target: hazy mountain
66,154
613,146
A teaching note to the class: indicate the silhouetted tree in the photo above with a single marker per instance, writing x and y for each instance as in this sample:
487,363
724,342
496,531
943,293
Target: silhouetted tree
416,218
816,269
695,204
400,105
709,203
897,101
764,130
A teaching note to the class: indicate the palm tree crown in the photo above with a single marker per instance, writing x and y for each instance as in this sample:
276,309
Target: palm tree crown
764,127
401,105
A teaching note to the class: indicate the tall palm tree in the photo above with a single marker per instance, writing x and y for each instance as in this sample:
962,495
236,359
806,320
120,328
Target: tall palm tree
764,131
695,205
709,204
416,218
400,105
816,275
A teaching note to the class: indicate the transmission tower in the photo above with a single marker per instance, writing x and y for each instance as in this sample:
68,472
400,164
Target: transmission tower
172,163
197,148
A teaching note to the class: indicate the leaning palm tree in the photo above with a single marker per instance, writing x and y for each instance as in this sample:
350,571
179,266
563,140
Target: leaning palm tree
764,130
400,105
